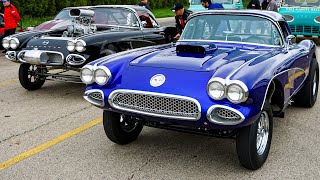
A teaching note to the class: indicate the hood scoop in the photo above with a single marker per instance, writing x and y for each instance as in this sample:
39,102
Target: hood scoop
200,48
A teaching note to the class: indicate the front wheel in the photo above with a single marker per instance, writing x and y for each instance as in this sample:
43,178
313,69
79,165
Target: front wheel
119,128
29,76
253,142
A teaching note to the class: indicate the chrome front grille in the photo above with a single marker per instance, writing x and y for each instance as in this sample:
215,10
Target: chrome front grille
156,104
305,29
95,97
224,115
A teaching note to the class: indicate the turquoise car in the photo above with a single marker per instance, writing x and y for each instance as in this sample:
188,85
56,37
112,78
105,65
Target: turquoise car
195,5
303,16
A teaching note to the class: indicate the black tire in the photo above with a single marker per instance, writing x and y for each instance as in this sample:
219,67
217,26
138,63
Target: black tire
28,77
307,96
250,156
115,129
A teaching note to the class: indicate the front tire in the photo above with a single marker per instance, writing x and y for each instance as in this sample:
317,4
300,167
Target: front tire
119,128
253,142
307,96
29,77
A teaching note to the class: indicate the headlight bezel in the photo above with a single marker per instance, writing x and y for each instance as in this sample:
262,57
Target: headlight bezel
243,88
82,46
8,42
107,73
16,42
90,68
71,44
218,81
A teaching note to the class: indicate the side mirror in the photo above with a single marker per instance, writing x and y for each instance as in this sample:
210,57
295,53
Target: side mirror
144,23
290,40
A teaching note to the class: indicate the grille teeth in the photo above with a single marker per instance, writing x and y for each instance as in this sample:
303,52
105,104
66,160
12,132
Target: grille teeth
305,29
96,96
155,104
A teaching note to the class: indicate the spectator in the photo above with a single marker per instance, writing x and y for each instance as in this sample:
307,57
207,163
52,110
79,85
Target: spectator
264,4
144,3
181,18
11,18
272,6
254,4
208,4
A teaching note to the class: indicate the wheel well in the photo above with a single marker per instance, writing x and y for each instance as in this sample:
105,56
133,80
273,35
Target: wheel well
275,96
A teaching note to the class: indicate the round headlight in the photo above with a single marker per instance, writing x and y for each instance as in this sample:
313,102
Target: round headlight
216,90
102,75
236,94
5,43
71,46
14,43
80,46
86,75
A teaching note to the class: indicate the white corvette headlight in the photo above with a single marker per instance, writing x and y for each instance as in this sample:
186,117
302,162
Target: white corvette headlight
216,90
86,75
102,75
6,43
14,43
71,46
237,93
80,46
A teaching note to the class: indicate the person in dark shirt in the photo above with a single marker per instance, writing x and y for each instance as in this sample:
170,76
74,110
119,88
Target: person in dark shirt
254,4
144,3
208,4
181,18
264,4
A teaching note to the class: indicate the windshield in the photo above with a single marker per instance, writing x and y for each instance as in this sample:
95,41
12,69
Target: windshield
198,2
107,16
232,28
302,2
63,14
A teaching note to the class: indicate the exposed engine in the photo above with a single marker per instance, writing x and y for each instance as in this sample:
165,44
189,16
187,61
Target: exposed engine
82,23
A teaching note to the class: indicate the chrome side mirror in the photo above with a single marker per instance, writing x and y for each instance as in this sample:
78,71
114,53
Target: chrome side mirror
290,40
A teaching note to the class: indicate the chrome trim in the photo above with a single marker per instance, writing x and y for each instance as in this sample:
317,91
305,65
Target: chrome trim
221,81
11,55
224,123
235,42
265,95
284,15
126,91
74,63
91,68
86,97
106,70
242,85
315,19
50,52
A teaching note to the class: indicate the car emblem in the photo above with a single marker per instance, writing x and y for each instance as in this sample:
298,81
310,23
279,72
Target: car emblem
157,80
45,43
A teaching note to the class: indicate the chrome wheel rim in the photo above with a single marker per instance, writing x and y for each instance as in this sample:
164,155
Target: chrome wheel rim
314,88
262,132
127,123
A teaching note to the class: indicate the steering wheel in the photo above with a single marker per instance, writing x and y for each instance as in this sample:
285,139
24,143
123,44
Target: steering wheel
256,39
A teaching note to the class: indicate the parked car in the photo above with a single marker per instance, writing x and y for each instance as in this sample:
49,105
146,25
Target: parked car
195,5
228,83
303,17
78,36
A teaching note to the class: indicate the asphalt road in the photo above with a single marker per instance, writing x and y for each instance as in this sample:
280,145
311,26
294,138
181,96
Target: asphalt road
32,118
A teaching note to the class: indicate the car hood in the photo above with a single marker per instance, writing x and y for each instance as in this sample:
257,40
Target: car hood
224,55
54,24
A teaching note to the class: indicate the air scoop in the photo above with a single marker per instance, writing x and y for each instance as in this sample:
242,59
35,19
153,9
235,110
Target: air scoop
200,48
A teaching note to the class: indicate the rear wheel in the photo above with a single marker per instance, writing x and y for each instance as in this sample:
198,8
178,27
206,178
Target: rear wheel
253,142
29,76
119,128
307,96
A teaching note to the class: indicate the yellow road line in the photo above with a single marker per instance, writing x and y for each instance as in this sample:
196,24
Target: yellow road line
8,81
49,144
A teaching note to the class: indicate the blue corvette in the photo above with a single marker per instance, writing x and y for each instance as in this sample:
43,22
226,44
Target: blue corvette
230,73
